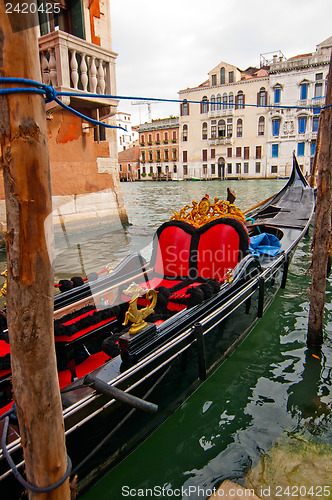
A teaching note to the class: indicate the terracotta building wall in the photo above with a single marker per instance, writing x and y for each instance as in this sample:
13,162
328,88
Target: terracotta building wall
73,157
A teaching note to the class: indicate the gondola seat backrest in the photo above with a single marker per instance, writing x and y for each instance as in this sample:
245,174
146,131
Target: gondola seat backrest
181,250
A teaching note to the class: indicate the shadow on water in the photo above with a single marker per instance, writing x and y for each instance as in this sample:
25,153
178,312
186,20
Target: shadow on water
244,420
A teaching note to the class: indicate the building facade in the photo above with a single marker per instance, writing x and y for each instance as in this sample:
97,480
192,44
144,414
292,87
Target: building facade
298,86
129,164
246,124
220,136
76,55
159,149
129,138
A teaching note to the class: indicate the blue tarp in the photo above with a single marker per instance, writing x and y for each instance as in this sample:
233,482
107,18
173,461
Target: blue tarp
264,244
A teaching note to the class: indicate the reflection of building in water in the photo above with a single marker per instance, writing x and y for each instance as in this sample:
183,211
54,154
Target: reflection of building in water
76,55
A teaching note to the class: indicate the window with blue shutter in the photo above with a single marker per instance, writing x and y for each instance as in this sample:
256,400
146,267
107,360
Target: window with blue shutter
315,123
275,150
303,91
300,149
277,95
302,124
276,127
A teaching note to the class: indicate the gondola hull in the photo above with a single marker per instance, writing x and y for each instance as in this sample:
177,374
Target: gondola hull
168,360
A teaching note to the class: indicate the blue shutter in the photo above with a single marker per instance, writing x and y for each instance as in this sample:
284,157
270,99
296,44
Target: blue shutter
275,127
304,92
302,124
300,149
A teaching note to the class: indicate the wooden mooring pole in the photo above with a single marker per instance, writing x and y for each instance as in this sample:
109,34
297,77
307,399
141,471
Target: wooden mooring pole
322,231
25,165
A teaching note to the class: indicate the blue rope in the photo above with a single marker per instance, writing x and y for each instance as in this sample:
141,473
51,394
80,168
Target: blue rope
52,95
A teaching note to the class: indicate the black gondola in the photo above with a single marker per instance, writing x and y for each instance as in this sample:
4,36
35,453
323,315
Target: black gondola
210,287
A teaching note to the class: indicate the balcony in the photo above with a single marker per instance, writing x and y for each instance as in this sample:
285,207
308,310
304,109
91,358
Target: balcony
221,112
220,141
72,64
318,101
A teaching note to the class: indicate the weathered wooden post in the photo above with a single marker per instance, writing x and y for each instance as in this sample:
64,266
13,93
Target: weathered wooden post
26,173
322,230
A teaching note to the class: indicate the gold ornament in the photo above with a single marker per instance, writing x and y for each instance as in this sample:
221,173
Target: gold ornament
203,212
3,291
135,315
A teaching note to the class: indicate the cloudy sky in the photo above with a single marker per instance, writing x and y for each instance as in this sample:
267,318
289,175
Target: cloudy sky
166,46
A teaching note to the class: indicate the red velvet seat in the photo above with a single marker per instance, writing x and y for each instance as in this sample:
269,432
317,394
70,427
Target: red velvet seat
172,251
4,357
217,251
181,252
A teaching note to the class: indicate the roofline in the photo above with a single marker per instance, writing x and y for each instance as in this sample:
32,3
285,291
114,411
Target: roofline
240,82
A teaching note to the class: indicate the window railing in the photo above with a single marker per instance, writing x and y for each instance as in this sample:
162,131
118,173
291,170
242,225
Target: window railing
221,112
220,140
70,63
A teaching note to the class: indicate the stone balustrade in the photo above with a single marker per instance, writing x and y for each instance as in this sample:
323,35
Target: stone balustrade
70,63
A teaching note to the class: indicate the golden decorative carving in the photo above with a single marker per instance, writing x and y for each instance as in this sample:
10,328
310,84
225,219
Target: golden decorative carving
229,275
203,212
135,315
3,291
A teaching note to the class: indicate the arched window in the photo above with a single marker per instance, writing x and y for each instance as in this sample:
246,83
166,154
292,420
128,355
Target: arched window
240,100
213,103
239,128
221,128
204,131
277,93
185,133
204,105
231,100
218,102
213,129
224,101
318,89
276,126
261,125
304,90
222,76
184,108
262,97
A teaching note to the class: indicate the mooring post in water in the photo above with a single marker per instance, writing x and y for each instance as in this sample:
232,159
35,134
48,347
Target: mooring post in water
25,164
322,231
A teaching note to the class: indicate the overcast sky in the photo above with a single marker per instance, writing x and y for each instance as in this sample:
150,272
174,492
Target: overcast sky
166,46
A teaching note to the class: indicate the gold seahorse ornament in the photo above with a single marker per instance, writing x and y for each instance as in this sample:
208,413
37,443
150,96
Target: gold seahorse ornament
135,315
3,291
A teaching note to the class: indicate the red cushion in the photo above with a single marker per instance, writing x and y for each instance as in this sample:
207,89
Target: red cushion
91,363
218,250
80,333
172,257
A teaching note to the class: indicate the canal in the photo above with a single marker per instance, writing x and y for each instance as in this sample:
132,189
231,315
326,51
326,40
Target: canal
264,418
